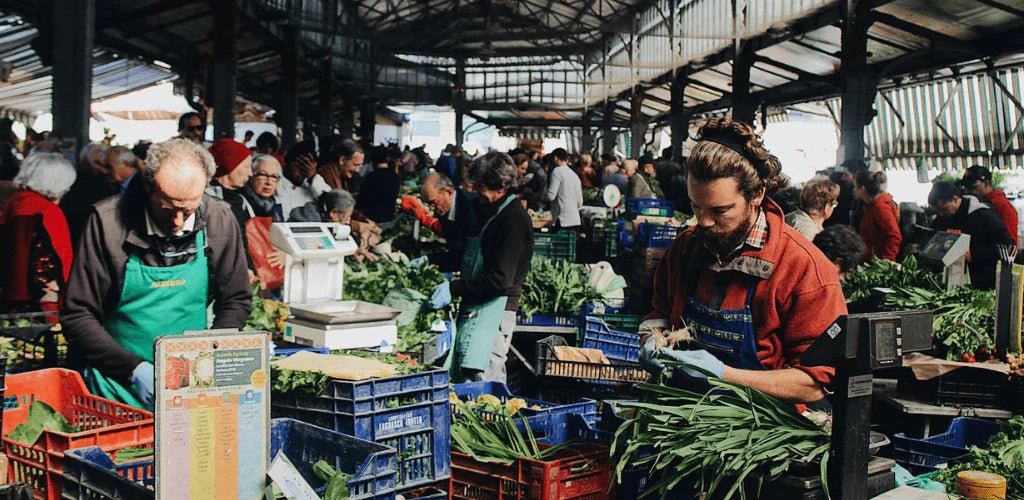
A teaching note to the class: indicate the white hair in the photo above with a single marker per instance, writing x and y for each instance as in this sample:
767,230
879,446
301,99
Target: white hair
123,154
177,150
272,164
49,174
85,155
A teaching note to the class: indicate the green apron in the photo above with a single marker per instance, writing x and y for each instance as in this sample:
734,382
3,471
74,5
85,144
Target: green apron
155,301
478,325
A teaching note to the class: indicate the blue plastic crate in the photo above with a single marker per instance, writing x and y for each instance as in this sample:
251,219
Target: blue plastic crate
566,320
437,346
549,425
407,412
655,207
90,473
928,454
289,351
656,235
621,346
609,305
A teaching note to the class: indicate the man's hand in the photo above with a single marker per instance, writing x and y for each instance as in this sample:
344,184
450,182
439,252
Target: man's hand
419,261
649,357
276,259
652,328
142,382
412,205
307,165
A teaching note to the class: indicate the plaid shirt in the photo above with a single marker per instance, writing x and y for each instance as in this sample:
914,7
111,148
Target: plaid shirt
756,238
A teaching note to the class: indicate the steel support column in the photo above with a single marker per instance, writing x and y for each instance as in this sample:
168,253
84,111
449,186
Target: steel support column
326,102
742,106
367,120
73,28
637,123
586,134
224,67
459,99
857,85
679,120
346,124
608,135
288,109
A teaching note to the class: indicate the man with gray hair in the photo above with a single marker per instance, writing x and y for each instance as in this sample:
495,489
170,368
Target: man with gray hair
123,167
92,184
149,263
456,219
494,267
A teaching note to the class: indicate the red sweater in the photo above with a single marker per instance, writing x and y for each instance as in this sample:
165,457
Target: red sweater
880,228
798,295
1007,213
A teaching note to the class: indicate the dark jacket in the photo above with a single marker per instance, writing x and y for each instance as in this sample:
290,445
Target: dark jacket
377,195
507,247
77,203
117,228
986,231
456,232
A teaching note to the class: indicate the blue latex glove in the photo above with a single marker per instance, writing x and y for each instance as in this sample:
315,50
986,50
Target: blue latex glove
142,381
700,359
649,358
442,295
419,261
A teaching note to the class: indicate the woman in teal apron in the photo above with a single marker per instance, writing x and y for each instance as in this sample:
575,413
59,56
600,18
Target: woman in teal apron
155,301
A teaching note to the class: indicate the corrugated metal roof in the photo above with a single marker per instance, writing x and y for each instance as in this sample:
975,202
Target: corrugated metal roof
29,88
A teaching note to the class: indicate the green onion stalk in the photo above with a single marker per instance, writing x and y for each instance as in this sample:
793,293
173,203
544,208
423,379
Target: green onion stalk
721,440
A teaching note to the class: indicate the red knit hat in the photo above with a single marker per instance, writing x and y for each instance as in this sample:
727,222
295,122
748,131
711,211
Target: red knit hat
228,154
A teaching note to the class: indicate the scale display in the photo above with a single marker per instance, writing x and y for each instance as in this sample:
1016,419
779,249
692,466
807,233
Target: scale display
887,341
939,245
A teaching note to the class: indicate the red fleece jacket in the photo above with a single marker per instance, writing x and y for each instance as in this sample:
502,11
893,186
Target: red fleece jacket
1007,213
798,295
880,228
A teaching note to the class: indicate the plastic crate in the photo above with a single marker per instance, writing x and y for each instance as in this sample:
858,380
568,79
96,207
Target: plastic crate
438,346
406,412
436,491
107,424
966,386
571,474
633,481
289,351
557,245
616,345
90,473
549,425
622,322
656,235
607,305
33,346
655,207
621,373
539,319
927,454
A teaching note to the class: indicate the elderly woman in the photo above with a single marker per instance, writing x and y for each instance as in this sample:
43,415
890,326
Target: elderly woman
267,261
338,205
262,187
818,201
36,245
494,266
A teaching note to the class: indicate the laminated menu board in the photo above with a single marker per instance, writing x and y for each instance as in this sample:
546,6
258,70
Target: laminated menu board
212,396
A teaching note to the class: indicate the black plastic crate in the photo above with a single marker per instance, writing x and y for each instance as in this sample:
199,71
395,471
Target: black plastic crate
34,343
966,386
557,245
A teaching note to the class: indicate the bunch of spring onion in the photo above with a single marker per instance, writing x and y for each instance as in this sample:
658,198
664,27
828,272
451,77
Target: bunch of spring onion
716,440
495,440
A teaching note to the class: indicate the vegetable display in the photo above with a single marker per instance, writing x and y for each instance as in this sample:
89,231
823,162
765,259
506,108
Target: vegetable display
496,439
718,440
314,383
556,286
1004,456
267,315
857,285
41,416
964,324
337,487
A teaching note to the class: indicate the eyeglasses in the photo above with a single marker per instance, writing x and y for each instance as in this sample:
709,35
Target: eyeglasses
196,128
194,249
268,176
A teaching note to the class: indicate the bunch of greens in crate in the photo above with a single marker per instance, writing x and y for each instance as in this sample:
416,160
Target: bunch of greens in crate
41,417
267,315
371,281
857,285
964,323
1004,455
496,439
722,440
556,286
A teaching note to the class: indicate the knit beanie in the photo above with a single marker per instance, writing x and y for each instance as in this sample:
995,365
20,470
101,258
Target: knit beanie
228,154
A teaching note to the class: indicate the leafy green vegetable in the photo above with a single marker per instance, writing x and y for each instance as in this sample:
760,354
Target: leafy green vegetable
1004,455
403,366
964,321
556,286
718,439
496,439
857,285
41,416
284,381
337,481
267,315
125,455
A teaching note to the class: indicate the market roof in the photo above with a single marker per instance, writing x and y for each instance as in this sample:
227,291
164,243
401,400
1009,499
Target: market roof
27,89
522,56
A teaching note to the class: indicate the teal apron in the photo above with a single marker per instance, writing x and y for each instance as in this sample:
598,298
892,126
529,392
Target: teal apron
155,301
478,325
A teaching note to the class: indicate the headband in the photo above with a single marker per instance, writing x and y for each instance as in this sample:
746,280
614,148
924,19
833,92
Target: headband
739,147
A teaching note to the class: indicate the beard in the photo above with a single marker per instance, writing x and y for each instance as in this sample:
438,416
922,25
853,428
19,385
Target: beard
725,243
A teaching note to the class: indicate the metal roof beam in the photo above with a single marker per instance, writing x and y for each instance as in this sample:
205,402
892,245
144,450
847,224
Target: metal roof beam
915,29
1003,7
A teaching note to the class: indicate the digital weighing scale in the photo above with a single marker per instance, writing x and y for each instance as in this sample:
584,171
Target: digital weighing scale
946,253
313,281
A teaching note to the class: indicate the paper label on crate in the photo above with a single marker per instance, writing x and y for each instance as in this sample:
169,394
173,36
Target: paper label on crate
287,477
212,415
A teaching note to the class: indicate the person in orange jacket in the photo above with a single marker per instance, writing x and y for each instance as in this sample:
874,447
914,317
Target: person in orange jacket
456,219
977,182
880,226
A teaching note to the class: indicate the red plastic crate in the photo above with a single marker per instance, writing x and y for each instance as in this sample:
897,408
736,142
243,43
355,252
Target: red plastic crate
580,474
105,423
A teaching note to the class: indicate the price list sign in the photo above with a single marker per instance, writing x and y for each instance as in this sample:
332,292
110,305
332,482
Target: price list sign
212,415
